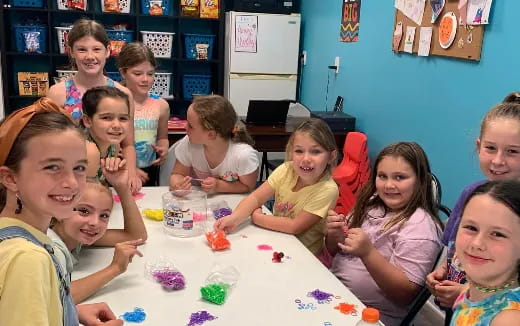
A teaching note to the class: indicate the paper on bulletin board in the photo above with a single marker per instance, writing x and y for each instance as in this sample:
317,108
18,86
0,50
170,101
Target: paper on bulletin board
413,9
478,12
425,40
246,31
408,41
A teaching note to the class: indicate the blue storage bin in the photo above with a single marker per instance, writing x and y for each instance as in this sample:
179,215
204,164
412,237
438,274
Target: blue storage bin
114,75
190,40
166,7
120,35
195,84
18,40
27,3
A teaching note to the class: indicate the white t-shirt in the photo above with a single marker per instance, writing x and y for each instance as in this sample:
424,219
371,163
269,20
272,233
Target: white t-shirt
241,159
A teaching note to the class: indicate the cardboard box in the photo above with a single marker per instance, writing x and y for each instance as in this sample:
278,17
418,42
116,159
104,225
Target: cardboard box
33,83
190,8
208,8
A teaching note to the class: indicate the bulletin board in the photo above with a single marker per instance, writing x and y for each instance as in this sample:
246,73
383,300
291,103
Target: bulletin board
459,49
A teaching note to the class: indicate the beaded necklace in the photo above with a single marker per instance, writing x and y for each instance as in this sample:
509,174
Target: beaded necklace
486,289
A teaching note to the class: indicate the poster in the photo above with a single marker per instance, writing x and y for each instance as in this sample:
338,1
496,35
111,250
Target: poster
478,11
246,31
350,21
413,9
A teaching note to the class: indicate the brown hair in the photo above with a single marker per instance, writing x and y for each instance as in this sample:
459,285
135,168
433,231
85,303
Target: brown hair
217,113
505,110
423,195
86,27
93,96
320,132
513,97
133,54
40,124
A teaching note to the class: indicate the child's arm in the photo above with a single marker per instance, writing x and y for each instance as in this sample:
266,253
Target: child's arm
93,158
123,253
506,318
57,93
245,183
97,314
162,143
335,233
246,206
180,178
133,222
301,223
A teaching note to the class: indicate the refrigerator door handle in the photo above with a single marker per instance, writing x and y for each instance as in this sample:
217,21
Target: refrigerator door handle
263,76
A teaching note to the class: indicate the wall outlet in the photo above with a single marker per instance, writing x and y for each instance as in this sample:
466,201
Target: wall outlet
336,63
304,58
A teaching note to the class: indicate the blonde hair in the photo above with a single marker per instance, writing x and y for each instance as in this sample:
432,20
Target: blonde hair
505,110
320,132
217,113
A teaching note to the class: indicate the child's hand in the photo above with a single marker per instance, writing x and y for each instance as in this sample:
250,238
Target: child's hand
226,224
357,243
183,184
448,291
143,176
115,171
124,252
134,183
209,185
95,314
161,154
335,222
435,277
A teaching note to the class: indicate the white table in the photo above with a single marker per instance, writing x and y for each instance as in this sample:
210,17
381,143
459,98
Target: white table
264,295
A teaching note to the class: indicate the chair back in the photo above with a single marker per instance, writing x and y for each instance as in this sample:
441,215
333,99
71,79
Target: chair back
167,167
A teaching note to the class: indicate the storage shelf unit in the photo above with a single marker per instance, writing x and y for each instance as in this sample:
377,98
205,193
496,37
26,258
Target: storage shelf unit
52,60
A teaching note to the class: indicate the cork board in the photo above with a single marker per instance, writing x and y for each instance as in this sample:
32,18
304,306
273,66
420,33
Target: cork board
468,51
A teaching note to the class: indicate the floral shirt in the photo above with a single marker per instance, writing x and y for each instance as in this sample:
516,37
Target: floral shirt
73,103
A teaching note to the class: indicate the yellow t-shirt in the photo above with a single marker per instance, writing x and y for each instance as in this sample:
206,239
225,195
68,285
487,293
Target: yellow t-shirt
29,285
315,199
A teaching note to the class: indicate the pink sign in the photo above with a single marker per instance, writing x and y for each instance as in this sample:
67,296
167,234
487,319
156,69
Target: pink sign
246,30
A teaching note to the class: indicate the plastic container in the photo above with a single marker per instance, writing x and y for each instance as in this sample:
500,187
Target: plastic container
185,213
27,3
115,76
369,317
195,85
159,42
161,85
62,33
191,40
124,6
19,39
165,5
64,5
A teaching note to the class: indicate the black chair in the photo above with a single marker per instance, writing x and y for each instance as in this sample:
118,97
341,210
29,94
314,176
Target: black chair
424,294
267,165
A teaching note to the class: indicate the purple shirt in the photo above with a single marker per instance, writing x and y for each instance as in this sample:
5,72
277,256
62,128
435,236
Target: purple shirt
411,246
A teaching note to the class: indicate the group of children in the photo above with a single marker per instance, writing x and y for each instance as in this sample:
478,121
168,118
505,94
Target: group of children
384,250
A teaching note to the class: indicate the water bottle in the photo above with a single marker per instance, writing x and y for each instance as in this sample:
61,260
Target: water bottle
369,317
185,213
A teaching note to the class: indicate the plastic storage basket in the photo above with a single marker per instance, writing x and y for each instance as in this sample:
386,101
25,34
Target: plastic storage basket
124,6
120,35
190,40
195,85
114,75
27,3
166,7
66,73
161,85
63,5
19,38
159,42
61,33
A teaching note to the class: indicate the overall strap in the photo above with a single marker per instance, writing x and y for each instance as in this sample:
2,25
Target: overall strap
70,315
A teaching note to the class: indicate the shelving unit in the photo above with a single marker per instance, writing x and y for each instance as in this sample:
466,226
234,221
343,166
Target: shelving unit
52,60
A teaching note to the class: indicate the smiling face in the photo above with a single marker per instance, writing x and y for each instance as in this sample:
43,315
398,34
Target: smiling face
110,122
140,78
53,174
395,182
309,159
499,149
90,219
488,241
89,55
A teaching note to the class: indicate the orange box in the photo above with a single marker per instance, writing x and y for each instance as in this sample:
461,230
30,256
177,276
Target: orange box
190,8
208,8
33,83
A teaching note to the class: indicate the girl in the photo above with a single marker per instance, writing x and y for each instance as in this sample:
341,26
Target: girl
107,120
39,144
216,148
89,48
393,233
137,65
498,149
489,250
303,188
88,226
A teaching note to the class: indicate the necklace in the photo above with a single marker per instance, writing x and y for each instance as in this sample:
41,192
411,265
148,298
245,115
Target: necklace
486,289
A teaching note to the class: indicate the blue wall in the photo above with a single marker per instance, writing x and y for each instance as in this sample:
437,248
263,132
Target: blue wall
396,97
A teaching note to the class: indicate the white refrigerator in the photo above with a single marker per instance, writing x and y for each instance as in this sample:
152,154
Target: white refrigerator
261,57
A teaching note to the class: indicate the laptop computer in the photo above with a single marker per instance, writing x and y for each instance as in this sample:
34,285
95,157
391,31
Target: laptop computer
267,112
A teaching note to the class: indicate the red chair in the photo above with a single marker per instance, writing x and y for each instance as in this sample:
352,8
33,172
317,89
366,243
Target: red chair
353,171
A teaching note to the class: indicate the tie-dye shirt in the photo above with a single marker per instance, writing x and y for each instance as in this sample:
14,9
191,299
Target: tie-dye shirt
73,103
481,313
146,121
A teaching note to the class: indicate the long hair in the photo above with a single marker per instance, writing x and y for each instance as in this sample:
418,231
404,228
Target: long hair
422,197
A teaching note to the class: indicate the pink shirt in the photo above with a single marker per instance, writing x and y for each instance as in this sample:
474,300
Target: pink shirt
412,247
